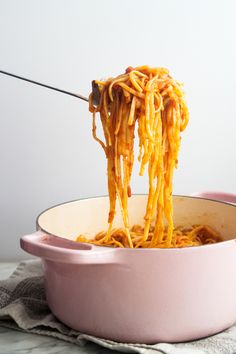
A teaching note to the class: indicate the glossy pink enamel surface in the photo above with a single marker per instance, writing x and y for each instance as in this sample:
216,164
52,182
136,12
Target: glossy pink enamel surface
139,295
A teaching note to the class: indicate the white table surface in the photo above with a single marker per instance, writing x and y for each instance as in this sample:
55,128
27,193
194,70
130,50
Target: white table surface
12,342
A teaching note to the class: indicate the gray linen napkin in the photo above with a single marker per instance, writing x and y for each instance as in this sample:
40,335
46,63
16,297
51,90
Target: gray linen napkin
23,306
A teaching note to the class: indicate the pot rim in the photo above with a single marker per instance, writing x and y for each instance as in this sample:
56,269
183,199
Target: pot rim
38,227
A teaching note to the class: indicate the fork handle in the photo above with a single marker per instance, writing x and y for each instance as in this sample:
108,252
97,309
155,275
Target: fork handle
44,85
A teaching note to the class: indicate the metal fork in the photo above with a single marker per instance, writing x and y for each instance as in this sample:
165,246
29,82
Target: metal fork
95,89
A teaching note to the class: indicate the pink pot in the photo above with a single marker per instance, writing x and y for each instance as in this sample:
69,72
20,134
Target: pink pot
138,295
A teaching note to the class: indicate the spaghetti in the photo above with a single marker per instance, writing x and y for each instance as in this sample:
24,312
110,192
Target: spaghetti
151,99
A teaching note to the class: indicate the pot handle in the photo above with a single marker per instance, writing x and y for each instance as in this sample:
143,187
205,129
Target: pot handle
62,250
221,196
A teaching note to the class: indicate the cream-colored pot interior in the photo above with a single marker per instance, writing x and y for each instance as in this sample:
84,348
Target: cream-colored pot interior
89,216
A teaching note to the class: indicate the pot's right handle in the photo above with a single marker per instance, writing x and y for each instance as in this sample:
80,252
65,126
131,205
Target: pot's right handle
222,196
62,250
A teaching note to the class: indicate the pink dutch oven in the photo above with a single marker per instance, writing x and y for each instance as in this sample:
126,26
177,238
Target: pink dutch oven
138,295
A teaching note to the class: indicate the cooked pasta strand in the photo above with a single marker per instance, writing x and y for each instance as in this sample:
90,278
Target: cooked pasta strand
151,99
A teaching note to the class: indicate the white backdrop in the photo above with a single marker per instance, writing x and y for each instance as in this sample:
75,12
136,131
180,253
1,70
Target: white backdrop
47,153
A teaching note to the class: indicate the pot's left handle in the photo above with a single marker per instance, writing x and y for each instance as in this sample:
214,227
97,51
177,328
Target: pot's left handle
62,250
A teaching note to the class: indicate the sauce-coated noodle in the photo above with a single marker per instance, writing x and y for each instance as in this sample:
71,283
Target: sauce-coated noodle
151,99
